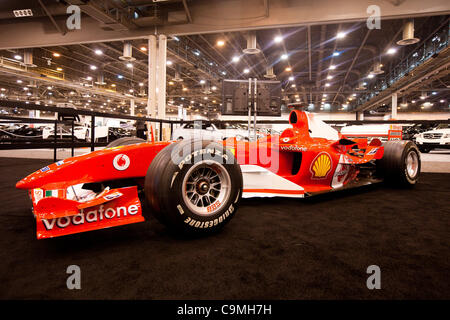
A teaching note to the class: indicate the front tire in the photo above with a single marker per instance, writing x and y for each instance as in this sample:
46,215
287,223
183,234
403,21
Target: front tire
194,186
125,141
400,164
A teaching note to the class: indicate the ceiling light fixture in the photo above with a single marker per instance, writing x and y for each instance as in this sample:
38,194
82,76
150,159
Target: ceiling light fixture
278,39
391,51
341,35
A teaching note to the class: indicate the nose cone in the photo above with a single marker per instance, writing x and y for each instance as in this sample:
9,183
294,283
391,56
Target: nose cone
25,183
21,184
34,180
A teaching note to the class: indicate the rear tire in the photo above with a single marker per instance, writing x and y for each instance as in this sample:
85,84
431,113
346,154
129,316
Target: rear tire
196,191
125,141
400,164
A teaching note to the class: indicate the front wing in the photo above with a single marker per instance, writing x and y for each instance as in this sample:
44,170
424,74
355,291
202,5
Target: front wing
58,217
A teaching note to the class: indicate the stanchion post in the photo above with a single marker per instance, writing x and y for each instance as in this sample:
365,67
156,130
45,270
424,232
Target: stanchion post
55,141
73,138
92,133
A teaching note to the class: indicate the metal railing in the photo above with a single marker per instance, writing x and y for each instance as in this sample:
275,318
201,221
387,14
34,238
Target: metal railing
56,144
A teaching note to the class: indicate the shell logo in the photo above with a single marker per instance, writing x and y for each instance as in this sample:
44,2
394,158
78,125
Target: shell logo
321,166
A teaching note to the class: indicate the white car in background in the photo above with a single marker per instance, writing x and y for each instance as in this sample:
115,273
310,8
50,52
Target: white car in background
438,138
82,133
210,131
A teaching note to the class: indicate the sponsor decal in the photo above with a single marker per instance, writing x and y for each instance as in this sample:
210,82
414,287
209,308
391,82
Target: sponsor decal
122,210
54,193
59,163
38,194
45,169
286,139
91,216
191,156
340,175
121,162
293,148
372,152
208,224
321,166
213,206
112,196
346,159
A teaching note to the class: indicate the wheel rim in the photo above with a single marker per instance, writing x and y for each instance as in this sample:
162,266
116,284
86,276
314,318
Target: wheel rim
412,164
206,188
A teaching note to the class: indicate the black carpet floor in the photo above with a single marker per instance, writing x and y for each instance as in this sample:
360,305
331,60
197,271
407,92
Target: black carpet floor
317,248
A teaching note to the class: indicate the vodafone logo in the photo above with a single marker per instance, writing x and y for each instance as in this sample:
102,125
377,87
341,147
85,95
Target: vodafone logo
93,216
121,162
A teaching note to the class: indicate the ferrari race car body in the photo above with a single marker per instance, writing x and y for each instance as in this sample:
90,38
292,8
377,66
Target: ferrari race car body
196,186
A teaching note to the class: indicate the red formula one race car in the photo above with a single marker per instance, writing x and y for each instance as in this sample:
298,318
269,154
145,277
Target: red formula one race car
196,186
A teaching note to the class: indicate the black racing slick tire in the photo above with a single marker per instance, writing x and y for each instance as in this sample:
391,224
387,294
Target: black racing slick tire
125,141
400,164
194,186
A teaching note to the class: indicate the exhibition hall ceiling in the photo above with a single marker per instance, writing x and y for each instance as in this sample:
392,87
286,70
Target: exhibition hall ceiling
338,67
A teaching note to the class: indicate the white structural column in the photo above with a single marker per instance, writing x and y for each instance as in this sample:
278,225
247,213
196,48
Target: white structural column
151,103
394,106
360,115
161,76
132,107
